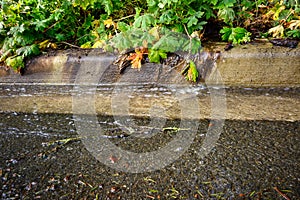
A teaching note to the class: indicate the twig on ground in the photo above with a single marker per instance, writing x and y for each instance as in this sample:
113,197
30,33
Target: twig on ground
71,45
283,195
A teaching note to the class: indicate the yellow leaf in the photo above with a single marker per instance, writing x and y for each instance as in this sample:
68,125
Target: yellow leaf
95,33
96,23
99,44
44,44
277,31
86,45
53,46
109,22
277,12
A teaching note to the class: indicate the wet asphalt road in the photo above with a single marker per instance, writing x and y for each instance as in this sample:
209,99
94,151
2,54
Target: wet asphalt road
251,160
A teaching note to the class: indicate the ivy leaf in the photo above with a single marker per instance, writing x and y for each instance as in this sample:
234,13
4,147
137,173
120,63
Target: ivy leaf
156,55
192,21
108,6
144,21
40,25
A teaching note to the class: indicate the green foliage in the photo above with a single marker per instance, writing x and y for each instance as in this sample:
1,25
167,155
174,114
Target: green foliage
236,35
163,25
156,55
190,72
15,62
28,51
293,33
144,21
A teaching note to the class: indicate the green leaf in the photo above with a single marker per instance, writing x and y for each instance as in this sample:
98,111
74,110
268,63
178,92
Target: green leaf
40,25
144,21
294,33
121,42
60,37
167,43
168,17
226,14
28,51
108,6
83,3
156,55
192,73
192,21
192,46
123,27
226,33
236,35
15,62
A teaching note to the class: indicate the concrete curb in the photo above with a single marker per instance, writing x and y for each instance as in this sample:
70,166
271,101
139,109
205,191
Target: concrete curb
252,65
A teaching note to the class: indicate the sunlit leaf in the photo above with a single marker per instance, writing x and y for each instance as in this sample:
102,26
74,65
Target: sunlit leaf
156,55
86,45
192,74
99,44
109,22
294,24
155,32
15,62
6,54
44,44
236,35
277,31
137,57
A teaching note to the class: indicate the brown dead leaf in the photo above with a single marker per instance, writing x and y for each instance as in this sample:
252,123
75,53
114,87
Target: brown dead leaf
294,24
137,57
277,31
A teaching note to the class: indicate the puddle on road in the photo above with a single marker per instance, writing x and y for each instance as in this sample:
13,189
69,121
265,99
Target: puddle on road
248,161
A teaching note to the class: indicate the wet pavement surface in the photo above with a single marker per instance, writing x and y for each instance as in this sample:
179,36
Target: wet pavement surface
42,157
